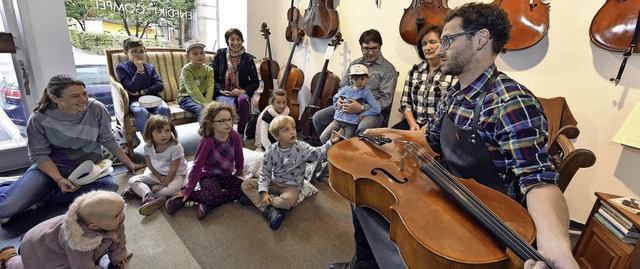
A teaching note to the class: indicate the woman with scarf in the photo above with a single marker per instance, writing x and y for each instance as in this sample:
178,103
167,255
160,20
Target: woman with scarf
236,77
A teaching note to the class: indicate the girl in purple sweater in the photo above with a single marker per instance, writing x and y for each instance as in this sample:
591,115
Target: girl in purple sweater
217,165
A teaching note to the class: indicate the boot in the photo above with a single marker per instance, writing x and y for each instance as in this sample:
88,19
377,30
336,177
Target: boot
274,216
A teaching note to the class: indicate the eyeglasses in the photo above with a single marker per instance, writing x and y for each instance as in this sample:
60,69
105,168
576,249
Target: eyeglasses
137,52
372,49
445,42
225,121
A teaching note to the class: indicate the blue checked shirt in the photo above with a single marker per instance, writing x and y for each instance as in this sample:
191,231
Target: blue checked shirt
512,125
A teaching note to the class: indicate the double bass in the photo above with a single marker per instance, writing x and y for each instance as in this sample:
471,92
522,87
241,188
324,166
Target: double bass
435,219
529,22
267,67
320,19
616,27
290,79
293,30
419,14
324,85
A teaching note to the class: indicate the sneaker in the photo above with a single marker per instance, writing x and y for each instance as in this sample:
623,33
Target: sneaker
203,209
148,208
172,205
274,216
129,194
244,200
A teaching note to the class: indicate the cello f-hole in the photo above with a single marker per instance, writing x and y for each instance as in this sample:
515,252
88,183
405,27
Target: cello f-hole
373,172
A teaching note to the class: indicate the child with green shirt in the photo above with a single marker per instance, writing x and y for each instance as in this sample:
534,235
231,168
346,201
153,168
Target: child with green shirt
196,80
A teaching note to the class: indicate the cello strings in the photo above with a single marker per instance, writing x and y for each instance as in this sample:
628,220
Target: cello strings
489,216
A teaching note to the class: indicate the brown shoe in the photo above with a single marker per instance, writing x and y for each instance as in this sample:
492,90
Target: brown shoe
7,253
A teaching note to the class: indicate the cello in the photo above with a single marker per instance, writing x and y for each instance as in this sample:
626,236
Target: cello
616,28
267,68
293,16
320,19
324,85
418,14
447,230
529,22
290,79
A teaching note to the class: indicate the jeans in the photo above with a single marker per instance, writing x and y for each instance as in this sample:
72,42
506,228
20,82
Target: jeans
322,119
242,107
34,186
142,114
188,104
363,250
349,130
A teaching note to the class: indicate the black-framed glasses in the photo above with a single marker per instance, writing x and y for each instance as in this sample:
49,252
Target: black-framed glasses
225,121
373,49
445,41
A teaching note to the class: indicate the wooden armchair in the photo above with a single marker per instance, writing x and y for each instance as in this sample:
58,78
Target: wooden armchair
562,128
168,63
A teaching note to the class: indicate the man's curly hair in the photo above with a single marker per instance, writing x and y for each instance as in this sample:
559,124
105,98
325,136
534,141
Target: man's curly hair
477,16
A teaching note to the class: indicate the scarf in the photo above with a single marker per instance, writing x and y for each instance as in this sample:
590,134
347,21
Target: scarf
231,78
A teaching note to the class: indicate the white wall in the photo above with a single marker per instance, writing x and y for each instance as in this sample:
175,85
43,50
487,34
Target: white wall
564,63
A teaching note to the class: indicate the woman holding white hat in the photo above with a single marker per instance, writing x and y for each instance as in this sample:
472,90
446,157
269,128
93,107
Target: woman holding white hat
66,129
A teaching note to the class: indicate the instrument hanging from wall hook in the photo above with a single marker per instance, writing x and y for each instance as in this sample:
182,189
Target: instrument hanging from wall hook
628,52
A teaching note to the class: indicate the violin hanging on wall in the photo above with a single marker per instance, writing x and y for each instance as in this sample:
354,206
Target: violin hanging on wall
616,28
419,14
529,22
293,30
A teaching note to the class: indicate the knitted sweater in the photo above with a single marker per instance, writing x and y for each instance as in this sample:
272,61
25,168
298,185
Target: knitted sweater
70,139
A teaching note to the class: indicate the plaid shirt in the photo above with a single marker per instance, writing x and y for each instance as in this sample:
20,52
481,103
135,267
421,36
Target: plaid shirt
512,125
422,93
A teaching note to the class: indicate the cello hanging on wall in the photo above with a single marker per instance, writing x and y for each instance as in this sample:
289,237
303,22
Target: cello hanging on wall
324,85
616,27
320,19
290,79
529,22
268,68
419,14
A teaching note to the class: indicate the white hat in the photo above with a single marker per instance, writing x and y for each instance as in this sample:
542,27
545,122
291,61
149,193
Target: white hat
194,44
358,69
88,172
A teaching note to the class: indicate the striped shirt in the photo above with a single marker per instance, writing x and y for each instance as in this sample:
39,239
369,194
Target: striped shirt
512,125
422,93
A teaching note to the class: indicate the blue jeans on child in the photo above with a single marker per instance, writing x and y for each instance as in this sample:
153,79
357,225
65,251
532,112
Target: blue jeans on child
35,186
241,102
141,114
323,117
188,104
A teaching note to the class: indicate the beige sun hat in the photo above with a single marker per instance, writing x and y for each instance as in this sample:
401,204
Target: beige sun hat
88,172
194,44
358,69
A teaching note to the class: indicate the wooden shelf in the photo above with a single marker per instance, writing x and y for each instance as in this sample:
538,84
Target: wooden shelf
598,248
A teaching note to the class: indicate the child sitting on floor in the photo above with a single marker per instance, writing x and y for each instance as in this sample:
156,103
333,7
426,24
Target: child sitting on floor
282,171
92,227
166,165
277,107
217,164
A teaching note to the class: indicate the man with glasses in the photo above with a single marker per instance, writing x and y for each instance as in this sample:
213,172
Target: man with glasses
491,128
382,83
139,78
